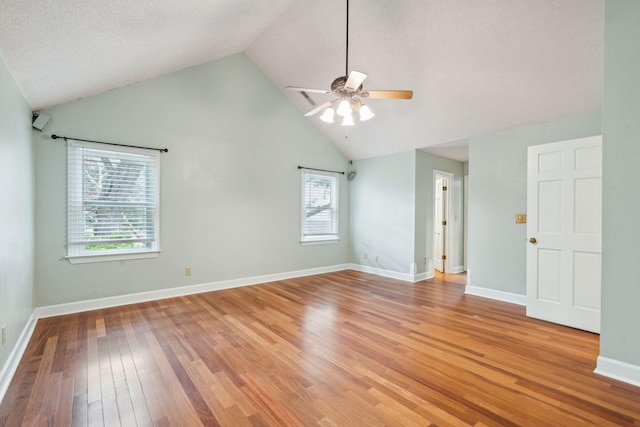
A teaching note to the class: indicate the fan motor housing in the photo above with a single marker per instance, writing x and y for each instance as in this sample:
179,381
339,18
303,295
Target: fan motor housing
338,85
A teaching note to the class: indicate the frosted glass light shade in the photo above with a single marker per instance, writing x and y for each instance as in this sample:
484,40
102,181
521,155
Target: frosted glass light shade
328,115
365,113
344,108
347,120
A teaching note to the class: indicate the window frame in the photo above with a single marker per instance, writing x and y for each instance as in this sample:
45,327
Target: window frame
332,237
76,253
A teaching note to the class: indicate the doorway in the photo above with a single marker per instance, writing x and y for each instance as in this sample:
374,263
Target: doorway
442,230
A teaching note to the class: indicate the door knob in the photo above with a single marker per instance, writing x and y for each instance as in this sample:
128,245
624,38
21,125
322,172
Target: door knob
532,240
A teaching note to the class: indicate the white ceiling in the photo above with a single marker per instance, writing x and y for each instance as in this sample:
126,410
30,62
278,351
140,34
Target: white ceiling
475,66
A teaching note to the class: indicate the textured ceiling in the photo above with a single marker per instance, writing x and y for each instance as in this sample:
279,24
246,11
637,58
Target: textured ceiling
475,67
61,50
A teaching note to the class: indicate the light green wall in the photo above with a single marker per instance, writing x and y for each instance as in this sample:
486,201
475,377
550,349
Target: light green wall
383,212
498,191
621,195
425,165
230,187
392,211
17,241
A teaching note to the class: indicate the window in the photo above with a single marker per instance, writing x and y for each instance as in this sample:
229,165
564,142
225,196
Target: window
319,206
112,197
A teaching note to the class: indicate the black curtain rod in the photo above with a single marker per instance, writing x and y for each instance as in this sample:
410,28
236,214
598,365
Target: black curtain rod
319,170
66,138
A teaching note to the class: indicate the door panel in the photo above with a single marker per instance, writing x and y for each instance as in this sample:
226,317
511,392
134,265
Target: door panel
588,201
586,280
550,206
564,210
549,275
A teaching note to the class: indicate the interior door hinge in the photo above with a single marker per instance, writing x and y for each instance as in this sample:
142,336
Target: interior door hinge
444,257
444,222
444,188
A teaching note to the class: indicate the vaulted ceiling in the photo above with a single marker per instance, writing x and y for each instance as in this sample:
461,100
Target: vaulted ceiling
475,66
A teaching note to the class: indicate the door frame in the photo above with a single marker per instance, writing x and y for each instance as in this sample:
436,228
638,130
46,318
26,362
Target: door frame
449,235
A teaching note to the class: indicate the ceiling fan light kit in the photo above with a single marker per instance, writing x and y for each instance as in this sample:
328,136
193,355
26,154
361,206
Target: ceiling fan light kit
349,90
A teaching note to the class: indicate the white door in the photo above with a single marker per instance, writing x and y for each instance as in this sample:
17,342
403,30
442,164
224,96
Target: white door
564,217
438,229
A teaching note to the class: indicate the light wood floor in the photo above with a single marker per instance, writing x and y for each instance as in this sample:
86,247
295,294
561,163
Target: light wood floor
340,349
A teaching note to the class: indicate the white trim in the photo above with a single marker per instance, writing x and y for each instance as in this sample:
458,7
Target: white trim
617,370
76,247
115,301
406,277
422,276
447,215
11,365
320,241
497,295
465,223
335,208
457,269
102,257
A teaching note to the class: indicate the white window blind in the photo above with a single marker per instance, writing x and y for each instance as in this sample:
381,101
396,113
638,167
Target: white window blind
112,200
319,206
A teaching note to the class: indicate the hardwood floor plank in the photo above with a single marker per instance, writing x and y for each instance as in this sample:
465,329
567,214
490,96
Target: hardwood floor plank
64,409
132,383
230,395
94,389
145,371
338,349
35,406
80,411
270,407
183,413
108,397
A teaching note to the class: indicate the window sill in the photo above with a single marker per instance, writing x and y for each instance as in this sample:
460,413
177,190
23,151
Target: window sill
319,241
85,259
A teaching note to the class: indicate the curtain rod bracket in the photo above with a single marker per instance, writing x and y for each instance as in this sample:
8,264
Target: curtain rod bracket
66,138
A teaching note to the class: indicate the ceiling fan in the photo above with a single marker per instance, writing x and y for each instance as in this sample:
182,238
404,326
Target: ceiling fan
349,92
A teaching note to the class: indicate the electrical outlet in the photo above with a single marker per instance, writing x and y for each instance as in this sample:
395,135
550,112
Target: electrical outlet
377,258
366,255
4,334
187,271
425,260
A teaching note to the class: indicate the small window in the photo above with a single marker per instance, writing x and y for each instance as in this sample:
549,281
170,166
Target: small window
112,197
319,206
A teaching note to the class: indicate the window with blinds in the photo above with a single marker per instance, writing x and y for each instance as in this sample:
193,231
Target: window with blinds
319,206
112,200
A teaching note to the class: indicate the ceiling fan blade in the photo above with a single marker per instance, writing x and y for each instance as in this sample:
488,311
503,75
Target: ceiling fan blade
355,80
388,94
318,109
304,89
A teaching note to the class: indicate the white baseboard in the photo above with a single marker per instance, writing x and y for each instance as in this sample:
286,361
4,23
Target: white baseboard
617,370
457,269
115,301
497,295
423,276
11,365
406,277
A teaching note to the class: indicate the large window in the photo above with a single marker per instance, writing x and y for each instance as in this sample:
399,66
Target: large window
319,206
112,197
